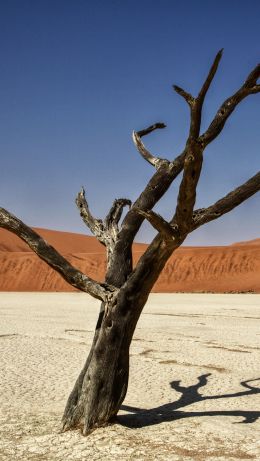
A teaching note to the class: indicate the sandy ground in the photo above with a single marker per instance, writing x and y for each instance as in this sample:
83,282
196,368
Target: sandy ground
194,391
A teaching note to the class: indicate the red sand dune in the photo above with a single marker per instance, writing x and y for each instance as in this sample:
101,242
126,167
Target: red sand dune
234,268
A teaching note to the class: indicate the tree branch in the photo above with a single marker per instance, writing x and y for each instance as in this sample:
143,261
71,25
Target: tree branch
105,231
249,87
211,75
116,211
196,104
187,96
165,175
153,260
160,183
196,110
168,231
155,161
196,144
54,259
95,225
150,265
155,189
112,220
187,191
155,126
227,203
251,81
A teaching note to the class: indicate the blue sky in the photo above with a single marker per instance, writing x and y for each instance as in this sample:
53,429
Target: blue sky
78,76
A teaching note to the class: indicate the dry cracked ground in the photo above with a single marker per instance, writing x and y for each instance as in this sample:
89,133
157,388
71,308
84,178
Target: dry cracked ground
194,391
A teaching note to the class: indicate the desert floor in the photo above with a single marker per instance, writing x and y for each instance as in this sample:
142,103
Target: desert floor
194,391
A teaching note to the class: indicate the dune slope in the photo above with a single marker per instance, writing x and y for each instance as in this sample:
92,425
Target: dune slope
234,268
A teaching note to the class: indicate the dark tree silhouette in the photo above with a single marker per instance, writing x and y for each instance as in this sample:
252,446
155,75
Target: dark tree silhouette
102,384
139,417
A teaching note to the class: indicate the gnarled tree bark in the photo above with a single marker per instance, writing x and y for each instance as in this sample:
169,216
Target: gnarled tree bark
102,384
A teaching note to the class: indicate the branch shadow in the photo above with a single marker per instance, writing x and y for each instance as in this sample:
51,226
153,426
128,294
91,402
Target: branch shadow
139,417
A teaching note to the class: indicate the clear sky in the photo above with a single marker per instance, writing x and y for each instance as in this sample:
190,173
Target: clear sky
78,76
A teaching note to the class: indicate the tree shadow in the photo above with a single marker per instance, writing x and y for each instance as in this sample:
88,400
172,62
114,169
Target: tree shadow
139,417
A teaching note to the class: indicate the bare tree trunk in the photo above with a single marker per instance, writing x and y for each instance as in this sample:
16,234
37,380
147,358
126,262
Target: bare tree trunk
102,385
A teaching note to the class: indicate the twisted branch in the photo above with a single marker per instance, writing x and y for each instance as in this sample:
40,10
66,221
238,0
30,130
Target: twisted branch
157,162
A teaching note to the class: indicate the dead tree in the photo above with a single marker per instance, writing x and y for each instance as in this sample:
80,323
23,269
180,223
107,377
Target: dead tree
102,384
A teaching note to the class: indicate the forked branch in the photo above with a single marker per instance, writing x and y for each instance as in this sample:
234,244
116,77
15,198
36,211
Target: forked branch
194,154
116,211
105,231
196,104
115,214
95,225
54,259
